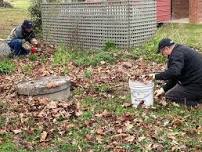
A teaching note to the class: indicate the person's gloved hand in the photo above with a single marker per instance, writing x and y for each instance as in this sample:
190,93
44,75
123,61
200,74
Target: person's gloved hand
34,41
27,46
152,75
159,92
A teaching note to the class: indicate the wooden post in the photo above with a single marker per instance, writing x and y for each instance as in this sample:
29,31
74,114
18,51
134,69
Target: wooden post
195,11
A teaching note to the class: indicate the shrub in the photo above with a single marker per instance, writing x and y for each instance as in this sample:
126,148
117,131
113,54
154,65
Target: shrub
35,12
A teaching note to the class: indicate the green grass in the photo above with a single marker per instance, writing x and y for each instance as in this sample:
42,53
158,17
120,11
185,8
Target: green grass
83,58
6,66
163,120
20,4
8,147
27,69
187,34
13,17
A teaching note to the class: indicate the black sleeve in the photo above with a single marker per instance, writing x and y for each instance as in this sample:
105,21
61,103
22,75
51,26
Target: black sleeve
30,37
175,67
170,84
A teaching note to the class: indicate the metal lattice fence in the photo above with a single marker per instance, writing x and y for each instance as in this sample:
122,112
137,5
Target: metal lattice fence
127,23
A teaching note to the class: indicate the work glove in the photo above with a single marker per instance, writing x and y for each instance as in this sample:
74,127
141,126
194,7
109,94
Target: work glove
27,46
159,92
34,41
152,75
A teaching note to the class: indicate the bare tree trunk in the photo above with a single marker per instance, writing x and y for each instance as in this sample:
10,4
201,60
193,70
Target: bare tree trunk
1,2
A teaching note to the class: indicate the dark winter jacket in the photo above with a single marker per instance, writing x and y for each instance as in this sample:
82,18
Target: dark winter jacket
184,68
20,33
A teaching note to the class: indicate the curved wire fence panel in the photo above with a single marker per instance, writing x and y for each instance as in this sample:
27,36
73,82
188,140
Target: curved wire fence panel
127,23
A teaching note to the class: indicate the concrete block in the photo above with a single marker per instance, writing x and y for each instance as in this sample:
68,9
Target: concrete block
52,87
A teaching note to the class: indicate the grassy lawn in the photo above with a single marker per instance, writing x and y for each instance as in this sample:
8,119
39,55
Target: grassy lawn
13,17
188,34
106,121
102,118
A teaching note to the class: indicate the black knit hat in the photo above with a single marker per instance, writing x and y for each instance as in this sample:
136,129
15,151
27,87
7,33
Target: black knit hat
27,24
165,42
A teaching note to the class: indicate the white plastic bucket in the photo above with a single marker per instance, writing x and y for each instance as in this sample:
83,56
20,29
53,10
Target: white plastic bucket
141,93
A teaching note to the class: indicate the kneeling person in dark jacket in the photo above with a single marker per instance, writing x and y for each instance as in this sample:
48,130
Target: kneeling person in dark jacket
21,37
183,75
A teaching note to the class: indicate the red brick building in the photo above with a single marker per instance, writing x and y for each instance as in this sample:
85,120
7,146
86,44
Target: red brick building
176,9
191,9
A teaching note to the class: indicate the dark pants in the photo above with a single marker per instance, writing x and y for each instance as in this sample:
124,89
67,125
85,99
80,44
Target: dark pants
16,47
185,95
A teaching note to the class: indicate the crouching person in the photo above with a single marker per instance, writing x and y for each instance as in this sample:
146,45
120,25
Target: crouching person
184,74
22,38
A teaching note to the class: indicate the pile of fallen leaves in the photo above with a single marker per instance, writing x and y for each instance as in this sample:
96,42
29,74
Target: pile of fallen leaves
26,114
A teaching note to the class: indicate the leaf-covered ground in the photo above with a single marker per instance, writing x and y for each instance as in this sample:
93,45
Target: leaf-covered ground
98,116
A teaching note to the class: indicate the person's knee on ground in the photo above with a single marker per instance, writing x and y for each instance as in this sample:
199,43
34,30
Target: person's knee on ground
17,48
176,97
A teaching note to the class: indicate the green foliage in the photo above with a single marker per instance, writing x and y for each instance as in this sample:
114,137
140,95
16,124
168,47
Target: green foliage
8,147
6,66
82,57
88,73
187,34
35,12
149,51
104,56
61,56
67,147
103,88
32,57
27,69
109,45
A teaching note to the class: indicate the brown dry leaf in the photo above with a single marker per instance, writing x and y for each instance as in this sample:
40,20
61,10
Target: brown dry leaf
51,46
119,137
127,64
42,113
162,101
69,126
2,131
177,122
43,137
173,136
129,126
52,85
78,113
141,138
130,138
89,137
99,139
100,131
105,113
102,62
43,101
1,89
52,105
179,148
157,147
17,131
120,130
199,130
126,105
